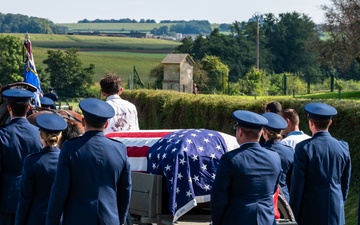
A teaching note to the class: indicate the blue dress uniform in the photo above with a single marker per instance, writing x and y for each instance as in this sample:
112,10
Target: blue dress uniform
53,96
93,182
246,180
38,175
46,102
18,139
321,174
286,153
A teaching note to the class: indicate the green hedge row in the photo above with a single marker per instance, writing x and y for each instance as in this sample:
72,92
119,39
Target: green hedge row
174,110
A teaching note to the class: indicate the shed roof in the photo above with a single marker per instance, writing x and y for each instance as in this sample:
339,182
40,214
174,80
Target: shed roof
177,58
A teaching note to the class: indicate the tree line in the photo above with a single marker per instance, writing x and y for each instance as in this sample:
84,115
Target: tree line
124,20
290,43
17,23
190,27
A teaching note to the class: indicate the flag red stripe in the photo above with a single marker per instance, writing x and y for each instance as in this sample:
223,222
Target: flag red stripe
140,134
134,151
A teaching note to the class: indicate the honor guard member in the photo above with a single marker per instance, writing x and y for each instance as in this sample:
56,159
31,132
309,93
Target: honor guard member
272,136
321,172
46,102
18,139
93,184
246,178
39,172
53,96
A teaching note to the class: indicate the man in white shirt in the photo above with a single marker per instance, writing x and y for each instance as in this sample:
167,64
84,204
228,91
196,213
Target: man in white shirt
125,118
292,133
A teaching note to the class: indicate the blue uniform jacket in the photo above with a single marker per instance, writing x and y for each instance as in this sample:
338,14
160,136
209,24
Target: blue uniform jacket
320,180
18,139
243,189
286,154
37,179
93,182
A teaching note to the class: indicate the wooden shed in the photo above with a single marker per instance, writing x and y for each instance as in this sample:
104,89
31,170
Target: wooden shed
178,72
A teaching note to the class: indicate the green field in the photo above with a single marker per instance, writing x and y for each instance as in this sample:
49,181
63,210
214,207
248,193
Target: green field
113,27
121,63
117,27
108,54
100,43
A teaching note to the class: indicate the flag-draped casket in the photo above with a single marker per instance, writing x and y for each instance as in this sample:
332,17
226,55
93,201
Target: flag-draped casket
187,158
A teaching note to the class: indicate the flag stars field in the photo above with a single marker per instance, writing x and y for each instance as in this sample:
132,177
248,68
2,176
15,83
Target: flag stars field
189,160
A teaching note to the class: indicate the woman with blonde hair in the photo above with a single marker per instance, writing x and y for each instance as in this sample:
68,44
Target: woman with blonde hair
272,136
39,172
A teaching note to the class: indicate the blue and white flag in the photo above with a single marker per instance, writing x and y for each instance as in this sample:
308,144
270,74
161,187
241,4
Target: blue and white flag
188,159
30,74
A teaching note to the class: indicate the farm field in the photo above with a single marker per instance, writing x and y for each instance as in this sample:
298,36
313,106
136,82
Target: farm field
101,43
113,27
121,63
108,54
117,27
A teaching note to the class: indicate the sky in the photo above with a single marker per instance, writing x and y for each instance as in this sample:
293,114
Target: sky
222,11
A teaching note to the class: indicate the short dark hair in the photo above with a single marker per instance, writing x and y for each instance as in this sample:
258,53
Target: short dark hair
110,84
94,123
19,109
292,115
251,133
274,107
321,124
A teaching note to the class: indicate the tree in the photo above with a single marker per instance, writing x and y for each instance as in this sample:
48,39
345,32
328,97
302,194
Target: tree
67,75
160,31
157,74
218,72
186,46
11,62
255,82
343,27
292,39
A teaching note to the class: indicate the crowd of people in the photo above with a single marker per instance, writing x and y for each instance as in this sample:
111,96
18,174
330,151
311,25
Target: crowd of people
88,181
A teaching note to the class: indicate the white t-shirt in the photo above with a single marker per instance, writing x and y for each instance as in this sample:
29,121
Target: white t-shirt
294,137
125,118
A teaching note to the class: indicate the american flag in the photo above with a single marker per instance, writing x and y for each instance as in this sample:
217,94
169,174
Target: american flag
138,144
187,158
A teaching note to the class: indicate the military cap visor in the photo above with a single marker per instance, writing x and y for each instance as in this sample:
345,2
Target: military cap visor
50,123
249,119
17,95
320,111
45,101
275,121
96,110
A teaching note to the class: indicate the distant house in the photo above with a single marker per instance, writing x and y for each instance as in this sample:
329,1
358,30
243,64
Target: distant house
178,72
